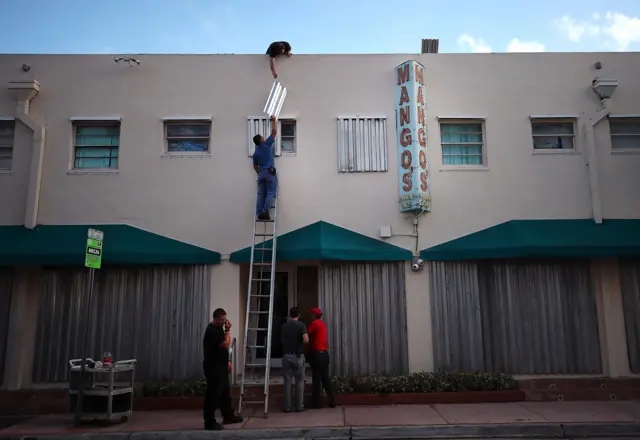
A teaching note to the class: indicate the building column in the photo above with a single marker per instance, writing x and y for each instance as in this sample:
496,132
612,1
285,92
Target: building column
611,325
23,327
419,330
225,293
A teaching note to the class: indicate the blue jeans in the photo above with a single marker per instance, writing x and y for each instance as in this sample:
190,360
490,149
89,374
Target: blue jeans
293,369
267,187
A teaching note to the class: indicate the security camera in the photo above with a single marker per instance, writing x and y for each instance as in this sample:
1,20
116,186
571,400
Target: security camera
417,264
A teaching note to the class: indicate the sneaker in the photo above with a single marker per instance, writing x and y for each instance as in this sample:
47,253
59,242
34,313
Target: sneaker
213,426
233,420
264,216
286,410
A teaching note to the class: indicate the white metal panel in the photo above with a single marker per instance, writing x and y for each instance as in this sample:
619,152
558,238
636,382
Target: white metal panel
276,98
262,126
362,145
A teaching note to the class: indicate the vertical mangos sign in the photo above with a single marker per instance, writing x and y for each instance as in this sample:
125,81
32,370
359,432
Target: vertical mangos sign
411,127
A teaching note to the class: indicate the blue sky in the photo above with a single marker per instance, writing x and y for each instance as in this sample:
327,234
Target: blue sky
316,26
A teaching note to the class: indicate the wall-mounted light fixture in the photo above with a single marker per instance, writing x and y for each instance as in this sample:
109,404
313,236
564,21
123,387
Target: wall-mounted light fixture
604,88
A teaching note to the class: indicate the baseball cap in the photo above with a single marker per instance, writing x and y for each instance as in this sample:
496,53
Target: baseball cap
316,311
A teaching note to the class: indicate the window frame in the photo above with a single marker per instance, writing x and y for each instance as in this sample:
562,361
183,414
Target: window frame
383,164
11,122
281,136
266,132
94,122
550,119
179,121
623,118
461,120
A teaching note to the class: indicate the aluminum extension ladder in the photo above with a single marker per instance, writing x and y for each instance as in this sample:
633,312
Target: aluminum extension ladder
259,311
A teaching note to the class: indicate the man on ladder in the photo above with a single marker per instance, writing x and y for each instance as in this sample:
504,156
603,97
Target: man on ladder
264,165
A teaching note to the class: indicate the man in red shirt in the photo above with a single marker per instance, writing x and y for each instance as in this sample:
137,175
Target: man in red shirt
319,359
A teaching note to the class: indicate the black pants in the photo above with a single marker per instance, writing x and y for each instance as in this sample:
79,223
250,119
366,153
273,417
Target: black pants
218,395
319,362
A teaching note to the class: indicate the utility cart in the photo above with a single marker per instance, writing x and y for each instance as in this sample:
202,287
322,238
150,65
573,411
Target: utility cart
107,391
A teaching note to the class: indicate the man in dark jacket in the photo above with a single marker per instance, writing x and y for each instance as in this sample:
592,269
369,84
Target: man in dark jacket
275,49
216,365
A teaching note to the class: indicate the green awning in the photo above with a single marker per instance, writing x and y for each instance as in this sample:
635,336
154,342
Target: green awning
324,241
123,244
581,238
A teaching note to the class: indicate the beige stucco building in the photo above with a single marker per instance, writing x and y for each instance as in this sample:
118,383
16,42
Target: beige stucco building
516,142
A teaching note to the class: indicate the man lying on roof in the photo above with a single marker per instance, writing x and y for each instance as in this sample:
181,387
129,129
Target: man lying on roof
275,49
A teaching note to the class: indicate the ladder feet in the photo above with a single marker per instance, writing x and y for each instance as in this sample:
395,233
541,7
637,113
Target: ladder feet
265,416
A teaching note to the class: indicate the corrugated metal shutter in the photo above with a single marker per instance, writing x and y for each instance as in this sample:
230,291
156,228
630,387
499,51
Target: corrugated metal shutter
630,285
156,315
521,317
364,306
6,279
362,145
262,126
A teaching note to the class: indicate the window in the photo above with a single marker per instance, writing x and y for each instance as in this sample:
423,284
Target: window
362,145
287,132
188,136
7,130
553,134
462,142
625,134
96,145
285,144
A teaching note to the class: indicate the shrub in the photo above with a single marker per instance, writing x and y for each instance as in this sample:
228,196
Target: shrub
358,384
423,383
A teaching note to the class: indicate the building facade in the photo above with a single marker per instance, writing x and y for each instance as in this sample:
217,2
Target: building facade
506,173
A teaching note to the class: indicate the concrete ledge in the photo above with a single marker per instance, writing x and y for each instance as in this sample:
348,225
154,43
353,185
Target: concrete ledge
540,430
600,430
593,431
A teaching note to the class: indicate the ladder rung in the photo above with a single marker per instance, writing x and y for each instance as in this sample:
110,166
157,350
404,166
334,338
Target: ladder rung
262,248
255,365
262,264
261,279
265,221
256,346
260,296
264,235
258,329
253,402
258,311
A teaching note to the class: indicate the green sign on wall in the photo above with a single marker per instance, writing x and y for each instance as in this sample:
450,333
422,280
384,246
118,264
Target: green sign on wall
93,255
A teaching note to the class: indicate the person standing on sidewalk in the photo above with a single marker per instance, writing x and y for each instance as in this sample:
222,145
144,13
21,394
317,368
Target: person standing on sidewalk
216,365
319,359
294,337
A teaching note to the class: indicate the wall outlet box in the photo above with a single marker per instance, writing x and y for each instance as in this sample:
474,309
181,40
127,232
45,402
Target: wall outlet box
385,231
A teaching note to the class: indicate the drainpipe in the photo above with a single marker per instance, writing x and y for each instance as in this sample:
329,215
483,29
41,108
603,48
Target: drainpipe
415,234
24,92
594,118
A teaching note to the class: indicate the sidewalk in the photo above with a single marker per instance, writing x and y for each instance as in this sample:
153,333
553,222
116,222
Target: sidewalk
523,420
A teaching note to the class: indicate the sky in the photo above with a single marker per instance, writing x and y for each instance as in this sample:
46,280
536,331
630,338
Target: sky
316,26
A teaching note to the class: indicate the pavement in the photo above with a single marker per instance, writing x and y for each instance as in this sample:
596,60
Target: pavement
567,420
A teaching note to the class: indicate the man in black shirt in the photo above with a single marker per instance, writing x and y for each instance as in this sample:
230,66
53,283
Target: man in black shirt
293,336
216,365
275,49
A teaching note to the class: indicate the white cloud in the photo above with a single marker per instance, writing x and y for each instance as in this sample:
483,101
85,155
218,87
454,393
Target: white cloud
619,30
517,45
477,45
